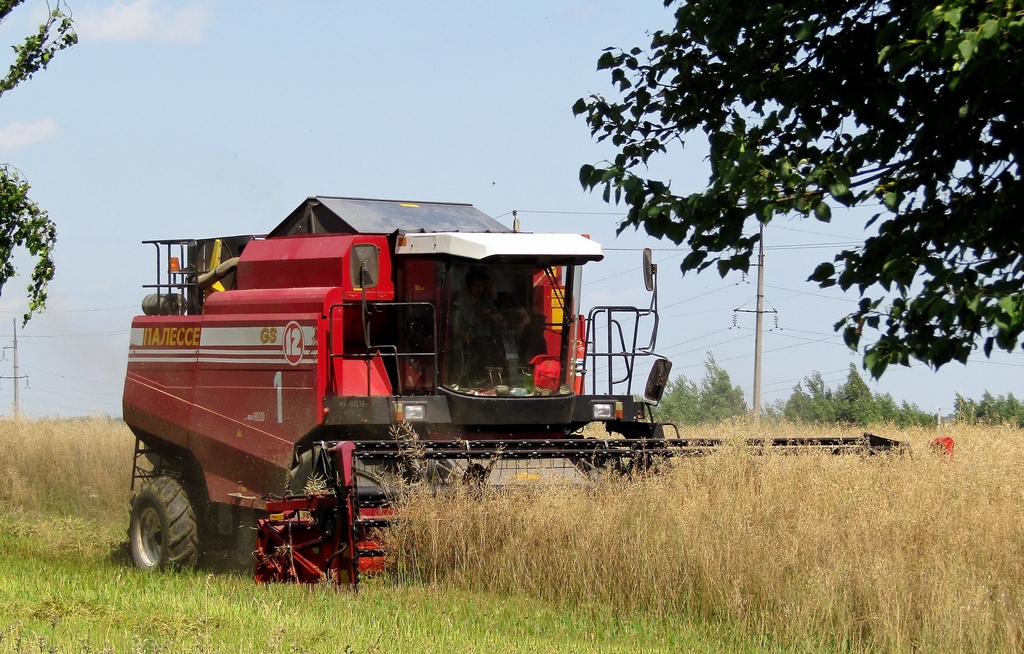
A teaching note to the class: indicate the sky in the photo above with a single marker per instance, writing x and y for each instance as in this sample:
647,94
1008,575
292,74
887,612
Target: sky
208,118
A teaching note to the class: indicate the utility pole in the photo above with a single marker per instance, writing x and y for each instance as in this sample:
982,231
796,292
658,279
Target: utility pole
16,375
757,326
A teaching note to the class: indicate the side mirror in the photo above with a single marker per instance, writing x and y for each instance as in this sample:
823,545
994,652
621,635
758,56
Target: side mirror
363,265
657,381
650,269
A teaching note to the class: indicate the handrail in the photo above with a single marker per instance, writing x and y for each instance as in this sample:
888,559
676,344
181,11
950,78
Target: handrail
612,318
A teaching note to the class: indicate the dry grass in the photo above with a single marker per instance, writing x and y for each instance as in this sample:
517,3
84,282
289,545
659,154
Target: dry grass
911,553
76,467
893,554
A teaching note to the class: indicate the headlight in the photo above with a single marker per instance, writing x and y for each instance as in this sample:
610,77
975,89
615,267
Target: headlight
415,412
603,410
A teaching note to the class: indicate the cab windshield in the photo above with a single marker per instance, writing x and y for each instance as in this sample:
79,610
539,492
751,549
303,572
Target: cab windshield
508,329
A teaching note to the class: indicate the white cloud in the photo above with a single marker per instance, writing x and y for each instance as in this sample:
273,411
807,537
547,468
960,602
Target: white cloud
143,20
18,134
585,9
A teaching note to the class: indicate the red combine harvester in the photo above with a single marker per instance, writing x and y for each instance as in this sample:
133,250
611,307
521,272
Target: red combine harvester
279,386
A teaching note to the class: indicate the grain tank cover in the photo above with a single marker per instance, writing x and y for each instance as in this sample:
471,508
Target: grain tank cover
332,215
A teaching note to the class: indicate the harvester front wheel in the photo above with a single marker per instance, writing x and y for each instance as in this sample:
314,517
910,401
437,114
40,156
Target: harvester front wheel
162,532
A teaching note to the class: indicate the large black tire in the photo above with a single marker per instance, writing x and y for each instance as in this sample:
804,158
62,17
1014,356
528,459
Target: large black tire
162,532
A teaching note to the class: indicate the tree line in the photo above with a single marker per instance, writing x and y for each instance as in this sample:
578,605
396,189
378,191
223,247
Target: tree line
715,398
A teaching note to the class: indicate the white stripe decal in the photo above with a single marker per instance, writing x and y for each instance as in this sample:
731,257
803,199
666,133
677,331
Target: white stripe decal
272,361
226,345
250,336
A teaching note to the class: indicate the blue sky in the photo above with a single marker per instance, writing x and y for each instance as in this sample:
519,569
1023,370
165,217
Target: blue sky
206,118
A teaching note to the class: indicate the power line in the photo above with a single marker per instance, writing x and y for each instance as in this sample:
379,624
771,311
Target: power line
74,393
708,347
63,376
628,270
814,246
808,231
800,292
574,213
49,311
92,409
120,332
676,249
801,380
692,340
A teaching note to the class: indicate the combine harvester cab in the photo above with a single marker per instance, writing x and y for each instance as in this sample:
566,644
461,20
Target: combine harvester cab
367,322
284,385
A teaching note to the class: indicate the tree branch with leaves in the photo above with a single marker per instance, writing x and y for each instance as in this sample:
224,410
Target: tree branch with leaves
22,222
904,106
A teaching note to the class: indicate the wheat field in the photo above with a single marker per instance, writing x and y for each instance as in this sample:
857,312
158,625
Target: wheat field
77,467
893,553
813,552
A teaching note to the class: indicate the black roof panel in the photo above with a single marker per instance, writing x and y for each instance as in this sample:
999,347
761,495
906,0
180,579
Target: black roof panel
332,215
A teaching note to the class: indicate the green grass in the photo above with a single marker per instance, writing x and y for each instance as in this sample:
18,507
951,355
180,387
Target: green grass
67,587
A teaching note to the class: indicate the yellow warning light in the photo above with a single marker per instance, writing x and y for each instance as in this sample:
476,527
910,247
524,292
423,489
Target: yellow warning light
174,265
402,241
409,204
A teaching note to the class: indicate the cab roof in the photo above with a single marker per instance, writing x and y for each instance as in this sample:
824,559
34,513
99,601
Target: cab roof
513,246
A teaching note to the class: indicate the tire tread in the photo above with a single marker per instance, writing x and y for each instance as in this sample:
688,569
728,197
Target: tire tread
181,547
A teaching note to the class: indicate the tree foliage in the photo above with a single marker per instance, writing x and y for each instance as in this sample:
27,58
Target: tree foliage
715,399
990,410
853,403
906,106
22,222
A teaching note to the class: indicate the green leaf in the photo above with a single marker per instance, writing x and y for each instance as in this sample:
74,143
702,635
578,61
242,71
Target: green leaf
873,362
586,175
824,272
952,17
823,212
839,191
805,31
1011,307
967,46
607,60
990,29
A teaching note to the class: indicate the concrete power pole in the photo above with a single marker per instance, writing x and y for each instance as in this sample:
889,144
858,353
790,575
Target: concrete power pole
16,375
758,326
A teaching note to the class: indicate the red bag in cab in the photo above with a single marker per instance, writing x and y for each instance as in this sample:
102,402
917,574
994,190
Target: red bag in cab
546,372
